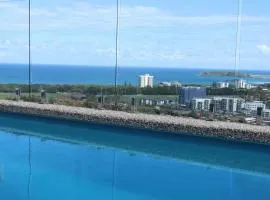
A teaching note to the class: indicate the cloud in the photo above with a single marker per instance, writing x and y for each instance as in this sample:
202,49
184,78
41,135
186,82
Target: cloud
85,15
148,34
263,48
3,54
5,43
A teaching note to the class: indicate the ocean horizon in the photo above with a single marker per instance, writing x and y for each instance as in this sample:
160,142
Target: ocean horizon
82,74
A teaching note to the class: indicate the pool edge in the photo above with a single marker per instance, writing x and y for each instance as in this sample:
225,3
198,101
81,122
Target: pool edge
174,125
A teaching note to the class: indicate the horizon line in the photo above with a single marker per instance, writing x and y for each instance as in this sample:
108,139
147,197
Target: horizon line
133,66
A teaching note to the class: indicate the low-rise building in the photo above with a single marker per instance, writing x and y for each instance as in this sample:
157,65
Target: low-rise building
253,114
235,83
224,104
239,83
165,84
227,104
253,105
169,84
222,84
153,102
201,103
266,114
250,86
176,83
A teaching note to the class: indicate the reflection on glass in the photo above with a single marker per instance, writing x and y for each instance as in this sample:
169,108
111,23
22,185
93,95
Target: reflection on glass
13,46
98,54
186,58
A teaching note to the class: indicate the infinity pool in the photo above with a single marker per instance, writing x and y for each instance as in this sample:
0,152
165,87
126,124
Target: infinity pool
49,159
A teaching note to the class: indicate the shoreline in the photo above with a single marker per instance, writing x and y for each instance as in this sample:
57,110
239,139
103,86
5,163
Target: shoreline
176,125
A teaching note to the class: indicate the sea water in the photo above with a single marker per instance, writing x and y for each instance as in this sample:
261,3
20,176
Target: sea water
61,74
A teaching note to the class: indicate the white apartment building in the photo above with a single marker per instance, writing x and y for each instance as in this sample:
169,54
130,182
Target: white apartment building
249,86
253,114
253,105
201,103
146,80
225,104
266,114
236,83
222,84
239,83
176,83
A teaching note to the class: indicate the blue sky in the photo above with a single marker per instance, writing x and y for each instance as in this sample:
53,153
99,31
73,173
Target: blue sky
171,33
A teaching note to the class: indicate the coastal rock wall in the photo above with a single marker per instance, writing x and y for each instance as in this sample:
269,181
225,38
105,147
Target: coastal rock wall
169,124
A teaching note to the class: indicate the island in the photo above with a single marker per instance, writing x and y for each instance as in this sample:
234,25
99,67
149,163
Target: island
235,74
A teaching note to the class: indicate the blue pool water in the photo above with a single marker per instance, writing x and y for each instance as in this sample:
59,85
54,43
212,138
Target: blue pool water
43,159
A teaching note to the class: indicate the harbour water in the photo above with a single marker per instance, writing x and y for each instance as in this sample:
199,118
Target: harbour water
53,159
60,74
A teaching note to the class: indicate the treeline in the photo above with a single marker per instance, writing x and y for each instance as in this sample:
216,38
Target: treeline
226,91
122,90
252,94
90,89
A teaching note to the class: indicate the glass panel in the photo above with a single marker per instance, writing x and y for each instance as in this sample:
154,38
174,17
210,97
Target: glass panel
197,61
13,47
254,60
73,54
175,52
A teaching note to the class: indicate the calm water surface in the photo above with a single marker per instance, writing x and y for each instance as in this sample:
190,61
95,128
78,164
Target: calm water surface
43,159
60,74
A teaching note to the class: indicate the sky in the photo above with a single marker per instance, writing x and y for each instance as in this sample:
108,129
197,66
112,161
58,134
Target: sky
171,33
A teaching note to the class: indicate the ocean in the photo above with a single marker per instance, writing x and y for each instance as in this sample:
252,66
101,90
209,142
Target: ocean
61,74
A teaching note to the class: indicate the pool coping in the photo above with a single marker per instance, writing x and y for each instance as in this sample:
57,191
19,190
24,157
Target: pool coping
170,124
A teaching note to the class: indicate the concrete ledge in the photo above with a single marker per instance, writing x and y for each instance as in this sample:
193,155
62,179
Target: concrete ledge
176,125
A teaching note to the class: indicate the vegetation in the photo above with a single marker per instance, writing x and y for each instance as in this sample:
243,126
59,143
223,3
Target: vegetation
255,94
103,97
125,90
90,89
226,91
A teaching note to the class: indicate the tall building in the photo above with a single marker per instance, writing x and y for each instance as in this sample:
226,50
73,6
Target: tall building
186,94
146,80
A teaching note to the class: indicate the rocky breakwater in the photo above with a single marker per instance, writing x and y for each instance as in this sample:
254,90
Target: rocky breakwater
169,124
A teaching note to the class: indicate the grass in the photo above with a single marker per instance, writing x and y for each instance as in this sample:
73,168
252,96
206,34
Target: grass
4,95
123,98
